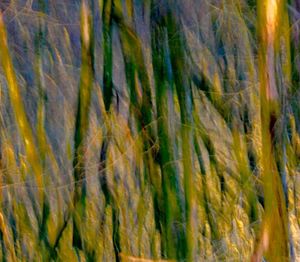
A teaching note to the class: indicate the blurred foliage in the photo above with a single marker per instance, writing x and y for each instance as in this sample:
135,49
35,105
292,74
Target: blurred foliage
156,130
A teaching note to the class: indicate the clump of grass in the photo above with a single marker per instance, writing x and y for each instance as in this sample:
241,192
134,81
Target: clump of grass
179,136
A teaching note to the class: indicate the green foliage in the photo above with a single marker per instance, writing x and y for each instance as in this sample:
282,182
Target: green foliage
149,130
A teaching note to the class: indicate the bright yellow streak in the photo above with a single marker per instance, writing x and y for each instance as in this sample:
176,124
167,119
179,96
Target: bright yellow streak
19,109
271,16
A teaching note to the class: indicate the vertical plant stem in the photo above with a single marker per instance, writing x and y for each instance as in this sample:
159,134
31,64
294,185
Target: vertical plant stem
140,106
107,53
107,27
20,113
179,69
274,239
82,123
173,237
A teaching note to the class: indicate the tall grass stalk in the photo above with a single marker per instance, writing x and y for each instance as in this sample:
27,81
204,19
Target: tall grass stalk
107,53
20,113
274,233
183,88
172,200
141,106
82,124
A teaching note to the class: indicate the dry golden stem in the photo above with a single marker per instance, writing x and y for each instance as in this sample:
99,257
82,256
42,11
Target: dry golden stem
19,110
6,239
